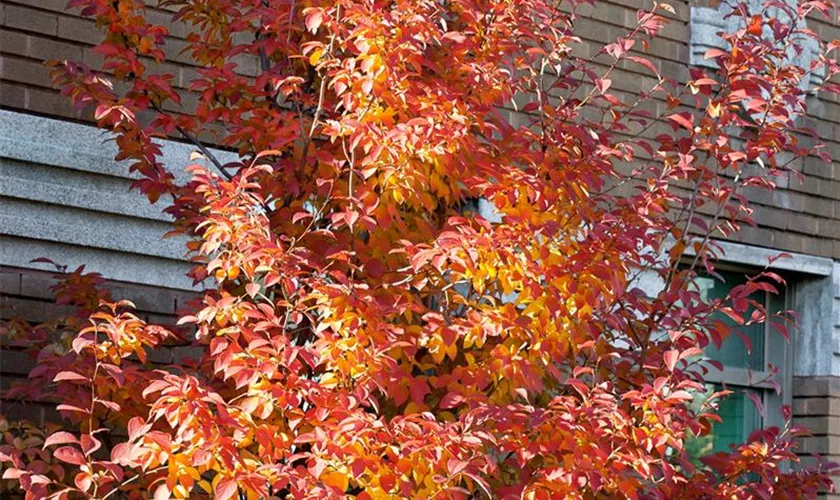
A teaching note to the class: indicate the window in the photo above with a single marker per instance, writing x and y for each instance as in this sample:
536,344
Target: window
746,371
709,17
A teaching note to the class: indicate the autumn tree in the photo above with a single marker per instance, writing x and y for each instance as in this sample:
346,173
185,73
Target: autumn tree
368,332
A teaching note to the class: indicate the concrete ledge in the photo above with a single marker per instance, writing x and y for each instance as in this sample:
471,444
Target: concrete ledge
113,265
89,229
738,253
72,188
59,143
63,196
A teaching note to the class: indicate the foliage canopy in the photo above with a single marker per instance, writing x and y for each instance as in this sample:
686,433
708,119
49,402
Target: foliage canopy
366,332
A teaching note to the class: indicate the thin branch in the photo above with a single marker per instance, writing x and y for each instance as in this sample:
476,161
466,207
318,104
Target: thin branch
206,152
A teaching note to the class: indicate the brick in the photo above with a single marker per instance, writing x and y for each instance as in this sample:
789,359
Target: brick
25,71
78,30
9,283
46,50
16,363
807,184
819,168
819,206
27,310
802,223
53,5
816,246
828,228
187,75
757,236
820,426
174,51
13,42
93,59
770,217
816,386
164,18
36,412
30,20
818,444
12,96
36,285
146,300
169,355
50,102
816,406
163,320
830,189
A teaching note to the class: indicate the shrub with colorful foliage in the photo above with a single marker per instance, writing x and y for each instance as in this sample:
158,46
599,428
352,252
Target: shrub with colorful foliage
367,332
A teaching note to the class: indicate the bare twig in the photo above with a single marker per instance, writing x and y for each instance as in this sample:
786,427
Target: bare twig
204,150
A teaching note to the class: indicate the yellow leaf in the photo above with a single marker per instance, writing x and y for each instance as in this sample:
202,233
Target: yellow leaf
714,109
205,486
315,56
452,351
180,491
335,479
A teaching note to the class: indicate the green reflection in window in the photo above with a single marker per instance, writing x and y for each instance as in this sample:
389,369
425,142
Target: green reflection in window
733,351
740,419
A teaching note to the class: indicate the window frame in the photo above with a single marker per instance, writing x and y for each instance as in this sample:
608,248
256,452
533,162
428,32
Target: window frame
778,352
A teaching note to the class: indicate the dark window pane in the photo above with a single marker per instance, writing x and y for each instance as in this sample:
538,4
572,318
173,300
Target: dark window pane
733,351
740,418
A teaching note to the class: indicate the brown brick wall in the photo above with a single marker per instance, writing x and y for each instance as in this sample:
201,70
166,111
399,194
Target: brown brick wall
816,405
35,31
25,294
801,217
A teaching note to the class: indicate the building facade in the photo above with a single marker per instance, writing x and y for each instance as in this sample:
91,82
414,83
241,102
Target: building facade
62,196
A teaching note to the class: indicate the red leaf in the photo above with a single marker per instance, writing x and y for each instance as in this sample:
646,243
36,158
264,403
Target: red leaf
187,319
83,481
79,343
111,405
64,407
451,400
350,217
12,473
680,396
60,437
387,482
162,492
455,466
686,120
299,216
755,26
737,318
69,455
225,489
714,54
70,376
314,20
671,357
644,62
122,453
603,84
137,427
157,385
90,444
756,400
